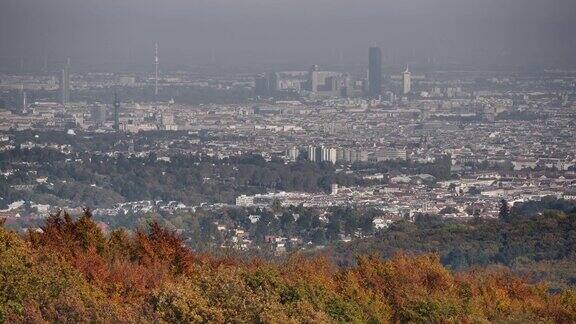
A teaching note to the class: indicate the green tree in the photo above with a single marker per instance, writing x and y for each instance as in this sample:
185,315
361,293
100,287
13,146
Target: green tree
504,210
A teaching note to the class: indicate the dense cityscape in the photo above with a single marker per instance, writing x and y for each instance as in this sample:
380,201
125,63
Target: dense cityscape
402,144
284,163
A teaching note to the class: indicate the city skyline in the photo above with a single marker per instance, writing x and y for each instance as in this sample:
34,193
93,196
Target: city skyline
287,161
512,33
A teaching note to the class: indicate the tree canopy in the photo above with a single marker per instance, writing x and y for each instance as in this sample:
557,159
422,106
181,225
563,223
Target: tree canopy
71,272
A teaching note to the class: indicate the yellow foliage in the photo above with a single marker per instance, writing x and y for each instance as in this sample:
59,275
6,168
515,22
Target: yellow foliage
73,273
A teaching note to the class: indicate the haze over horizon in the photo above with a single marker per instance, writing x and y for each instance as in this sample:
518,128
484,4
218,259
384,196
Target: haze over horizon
287,161
290,33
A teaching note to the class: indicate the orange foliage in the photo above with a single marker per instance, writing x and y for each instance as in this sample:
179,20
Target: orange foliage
151,276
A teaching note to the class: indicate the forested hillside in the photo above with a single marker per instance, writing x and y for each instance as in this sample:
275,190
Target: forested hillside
71,272
535,239
103,181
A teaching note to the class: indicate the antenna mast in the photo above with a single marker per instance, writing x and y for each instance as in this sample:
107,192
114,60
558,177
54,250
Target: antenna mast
156,70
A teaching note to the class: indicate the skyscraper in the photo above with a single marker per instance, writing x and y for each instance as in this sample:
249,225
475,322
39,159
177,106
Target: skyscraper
98,114
262,86
65,83
374,72
311,153
314,78
406,81
265,84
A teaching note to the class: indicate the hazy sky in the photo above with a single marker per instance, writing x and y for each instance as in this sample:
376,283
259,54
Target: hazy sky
529,32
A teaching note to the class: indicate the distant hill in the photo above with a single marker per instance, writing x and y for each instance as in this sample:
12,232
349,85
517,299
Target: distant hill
537,241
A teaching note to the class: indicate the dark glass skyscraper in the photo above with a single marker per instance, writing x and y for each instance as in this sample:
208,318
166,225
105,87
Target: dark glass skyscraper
374,72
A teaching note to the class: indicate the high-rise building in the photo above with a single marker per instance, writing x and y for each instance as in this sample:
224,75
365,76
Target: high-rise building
98,114
261,86
351,155
315,153
312,153
65,83
391,154
374,72
329,154
266,84
325,83
131,147
334,189
292,154
406,81
314,78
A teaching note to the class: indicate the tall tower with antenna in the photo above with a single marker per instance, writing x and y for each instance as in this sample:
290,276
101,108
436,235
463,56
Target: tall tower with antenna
65,83
116,112
24,99
156,62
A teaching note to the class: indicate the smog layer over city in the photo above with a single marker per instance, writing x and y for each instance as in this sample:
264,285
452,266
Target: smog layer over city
279,161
